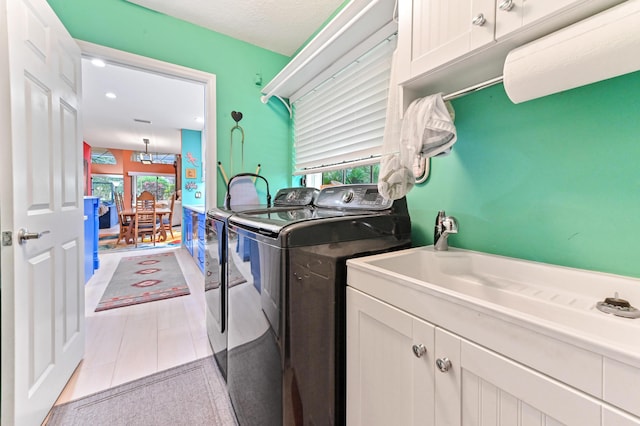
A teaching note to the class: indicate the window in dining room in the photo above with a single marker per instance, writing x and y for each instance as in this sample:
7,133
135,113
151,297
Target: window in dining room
104,186
161,186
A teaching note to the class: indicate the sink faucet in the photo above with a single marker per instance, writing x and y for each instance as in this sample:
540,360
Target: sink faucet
445,225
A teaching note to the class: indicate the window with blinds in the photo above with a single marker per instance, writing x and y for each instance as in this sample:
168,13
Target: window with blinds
340,123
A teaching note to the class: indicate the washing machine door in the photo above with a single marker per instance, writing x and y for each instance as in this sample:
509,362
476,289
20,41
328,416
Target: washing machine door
255,338
215,286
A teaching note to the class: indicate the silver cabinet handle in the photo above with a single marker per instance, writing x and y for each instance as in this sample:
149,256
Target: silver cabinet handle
479,20
443,364
24,235
506,5
419,350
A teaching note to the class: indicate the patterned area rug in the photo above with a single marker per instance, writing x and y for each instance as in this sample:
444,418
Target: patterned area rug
141,279
107,241
191,394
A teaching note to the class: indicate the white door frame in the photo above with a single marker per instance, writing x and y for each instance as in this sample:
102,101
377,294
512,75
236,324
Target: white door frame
144,63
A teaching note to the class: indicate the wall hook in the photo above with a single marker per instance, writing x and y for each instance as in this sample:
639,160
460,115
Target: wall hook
237,116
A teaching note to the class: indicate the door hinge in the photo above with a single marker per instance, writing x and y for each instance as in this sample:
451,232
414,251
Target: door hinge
7,238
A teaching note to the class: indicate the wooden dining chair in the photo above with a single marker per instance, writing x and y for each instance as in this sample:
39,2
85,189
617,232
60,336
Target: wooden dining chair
167,220
125,222
146,221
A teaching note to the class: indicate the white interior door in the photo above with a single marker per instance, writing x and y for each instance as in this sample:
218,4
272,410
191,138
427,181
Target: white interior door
41,280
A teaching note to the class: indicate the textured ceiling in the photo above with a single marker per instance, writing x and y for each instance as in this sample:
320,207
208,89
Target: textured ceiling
281,26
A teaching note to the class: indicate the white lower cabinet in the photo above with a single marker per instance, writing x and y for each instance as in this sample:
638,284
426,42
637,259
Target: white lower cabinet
390,365
499,391
403,370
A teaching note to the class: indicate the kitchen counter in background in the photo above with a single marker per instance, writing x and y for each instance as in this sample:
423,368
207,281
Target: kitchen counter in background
91,260
198,208
194,232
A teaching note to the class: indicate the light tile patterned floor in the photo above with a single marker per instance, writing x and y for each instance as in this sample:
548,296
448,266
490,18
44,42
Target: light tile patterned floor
128,343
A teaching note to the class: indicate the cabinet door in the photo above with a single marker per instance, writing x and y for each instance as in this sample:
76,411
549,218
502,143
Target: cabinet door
442,30
498,391
448,378
512,15
387,383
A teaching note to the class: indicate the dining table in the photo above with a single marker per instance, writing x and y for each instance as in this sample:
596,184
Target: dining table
130,215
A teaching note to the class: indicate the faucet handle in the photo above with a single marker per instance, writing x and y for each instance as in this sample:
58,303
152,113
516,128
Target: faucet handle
440,217
450,225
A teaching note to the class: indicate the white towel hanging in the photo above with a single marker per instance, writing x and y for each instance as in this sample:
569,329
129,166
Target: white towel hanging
426,130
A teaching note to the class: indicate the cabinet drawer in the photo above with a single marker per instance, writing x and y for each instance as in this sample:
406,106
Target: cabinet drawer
622,385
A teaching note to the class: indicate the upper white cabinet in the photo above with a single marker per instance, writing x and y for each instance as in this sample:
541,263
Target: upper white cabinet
442,30
512,15
448,45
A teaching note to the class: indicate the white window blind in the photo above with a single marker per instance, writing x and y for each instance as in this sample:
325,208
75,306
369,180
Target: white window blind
342,121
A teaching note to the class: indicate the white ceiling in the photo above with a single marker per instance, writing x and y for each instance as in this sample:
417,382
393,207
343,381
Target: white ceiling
170,104
281,26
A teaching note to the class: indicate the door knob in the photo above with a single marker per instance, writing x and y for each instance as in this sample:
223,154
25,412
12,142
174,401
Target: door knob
479,20
506,5
419,350
24,235
443,364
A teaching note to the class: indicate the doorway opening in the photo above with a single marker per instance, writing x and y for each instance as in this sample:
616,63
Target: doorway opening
135,176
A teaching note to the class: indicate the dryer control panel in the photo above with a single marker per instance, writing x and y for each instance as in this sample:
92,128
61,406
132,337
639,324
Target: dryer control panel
359,196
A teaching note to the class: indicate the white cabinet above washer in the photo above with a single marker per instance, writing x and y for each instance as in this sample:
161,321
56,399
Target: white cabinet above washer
442,30
445,46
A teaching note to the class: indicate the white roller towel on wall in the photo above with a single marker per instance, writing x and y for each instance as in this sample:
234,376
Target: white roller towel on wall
603,46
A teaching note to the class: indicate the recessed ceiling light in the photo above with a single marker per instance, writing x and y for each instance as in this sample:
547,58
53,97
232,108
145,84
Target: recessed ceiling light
110,95
98,63
199,120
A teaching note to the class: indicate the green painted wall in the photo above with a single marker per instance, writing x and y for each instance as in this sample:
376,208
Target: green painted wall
555,180
131,28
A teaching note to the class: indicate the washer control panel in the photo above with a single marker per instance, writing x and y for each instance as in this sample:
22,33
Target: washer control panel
359,196
301,196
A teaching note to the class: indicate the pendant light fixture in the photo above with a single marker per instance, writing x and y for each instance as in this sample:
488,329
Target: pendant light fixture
146,158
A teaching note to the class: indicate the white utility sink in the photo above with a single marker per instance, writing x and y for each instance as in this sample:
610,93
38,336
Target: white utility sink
557,299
